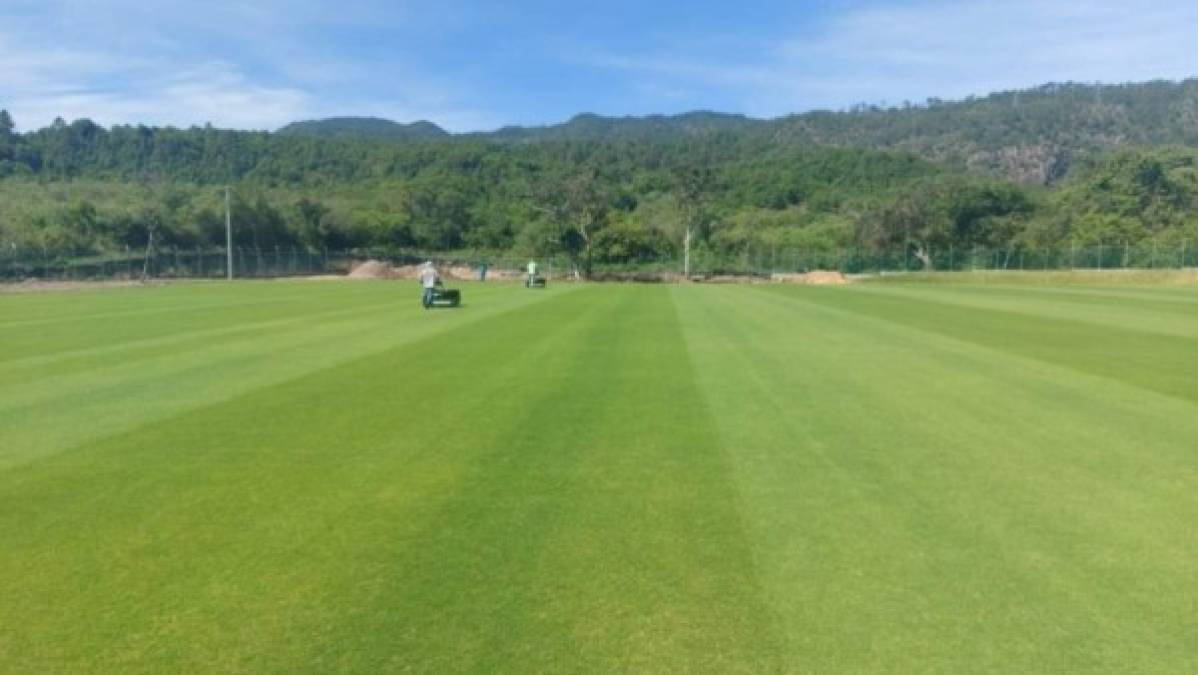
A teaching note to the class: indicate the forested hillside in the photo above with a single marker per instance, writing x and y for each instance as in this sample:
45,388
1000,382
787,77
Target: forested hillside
1056,166
364,127
1031,136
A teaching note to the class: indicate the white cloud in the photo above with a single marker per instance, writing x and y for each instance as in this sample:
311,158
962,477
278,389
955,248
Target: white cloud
73,84
249,65
935,48
262,64
956,49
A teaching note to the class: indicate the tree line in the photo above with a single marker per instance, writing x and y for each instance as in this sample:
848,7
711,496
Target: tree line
78,188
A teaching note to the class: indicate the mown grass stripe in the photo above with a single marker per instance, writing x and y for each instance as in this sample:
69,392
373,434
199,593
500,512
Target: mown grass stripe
20,372
1102,311
608,478
215,503
123,390
1162,294
1156,362
468,501
385,301
83,306
192,307
606,533
910,494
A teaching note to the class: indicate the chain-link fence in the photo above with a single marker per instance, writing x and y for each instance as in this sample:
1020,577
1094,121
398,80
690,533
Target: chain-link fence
172,263
252,263
857,261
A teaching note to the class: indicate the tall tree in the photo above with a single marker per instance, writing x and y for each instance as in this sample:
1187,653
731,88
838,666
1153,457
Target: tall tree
578,201
6,138
693,185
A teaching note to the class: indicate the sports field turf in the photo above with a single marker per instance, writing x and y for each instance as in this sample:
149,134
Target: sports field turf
314,477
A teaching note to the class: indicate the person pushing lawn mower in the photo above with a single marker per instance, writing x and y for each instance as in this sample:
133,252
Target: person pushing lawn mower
534,280
428,281
434,292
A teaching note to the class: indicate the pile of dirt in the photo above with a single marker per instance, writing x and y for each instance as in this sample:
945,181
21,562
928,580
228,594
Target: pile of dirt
824,278
461,273
814,278
376,269
371,269
494,274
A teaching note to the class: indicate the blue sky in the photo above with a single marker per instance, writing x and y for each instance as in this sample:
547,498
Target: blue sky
475,65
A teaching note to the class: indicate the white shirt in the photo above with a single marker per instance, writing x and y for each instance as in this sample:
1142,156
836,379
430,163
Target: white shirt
428,277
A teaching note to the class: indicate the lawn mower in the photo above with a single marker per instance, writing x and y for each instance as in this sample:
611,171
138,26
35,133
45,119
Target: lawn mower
536,281
445,297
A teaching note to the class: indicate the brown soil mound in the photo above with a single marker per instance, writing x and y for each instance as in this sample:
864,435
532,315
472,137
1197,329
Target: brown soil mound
503,275
816,278
470,273
461,273
821,278
376,269
371,269
405,272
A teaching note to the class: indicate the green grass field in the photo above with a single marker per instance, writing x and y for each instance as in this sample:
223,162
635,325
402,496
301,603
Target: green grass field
315,477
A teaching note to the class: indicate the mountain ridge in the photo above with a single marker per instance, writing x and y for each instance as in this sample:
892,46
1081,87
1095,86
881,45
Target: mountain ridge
1030,135
364,127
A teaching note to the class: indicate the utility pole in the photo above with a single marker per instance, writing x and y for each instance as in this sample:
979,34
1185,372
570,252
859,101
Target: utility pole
686,254
228,236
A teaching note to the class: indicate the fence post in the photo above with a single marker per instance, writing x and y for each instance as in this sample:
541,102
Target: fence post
1072,254
1183,253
